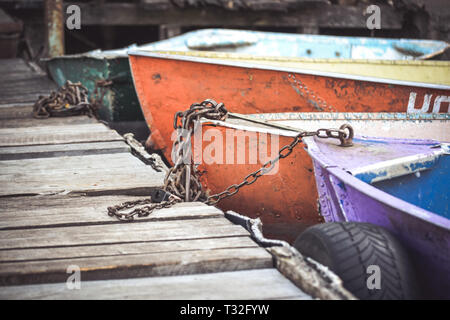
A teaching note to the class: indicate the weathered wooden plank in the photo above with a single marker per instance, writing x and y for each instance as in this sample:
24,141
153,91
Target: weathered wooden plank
119,173
27,212
100,182
47,254
16,111
140,265
11,65
238,285
17,97
74,164
26,83
53,137
52,121
59,150
21,83
67,202
87,127
119,233
64,173
18,93
29,75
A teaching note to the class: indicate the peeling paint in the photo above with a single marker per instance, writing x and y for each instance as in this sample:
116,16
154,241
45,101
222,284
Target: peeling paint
398,167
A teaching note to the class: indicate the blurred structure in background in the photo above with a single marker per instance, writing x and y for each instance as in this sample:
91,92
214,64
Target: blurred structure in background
36,28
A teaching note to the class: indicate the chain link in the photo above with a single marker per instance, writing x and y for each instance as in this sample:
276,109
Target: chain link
182,180
71,99
99,92
145,211
344,134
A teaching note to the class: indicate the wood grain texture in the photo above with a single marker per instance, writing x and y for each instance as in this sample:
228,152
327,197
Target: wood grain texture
71,164
119,173
105,182
48,254
118,233
54,211
52,121
135,266
195,239
57,134
16,111
88,127
60,150
27,139
14,65
22,83
252,284
26,87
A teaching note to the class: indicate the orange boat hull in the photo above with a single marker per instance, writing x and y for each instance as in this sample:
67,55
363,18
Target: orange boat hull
286,202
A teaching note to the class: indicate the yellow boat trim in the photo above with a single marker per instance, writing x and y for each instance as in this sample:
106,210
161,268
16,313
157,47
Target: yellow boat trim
434,72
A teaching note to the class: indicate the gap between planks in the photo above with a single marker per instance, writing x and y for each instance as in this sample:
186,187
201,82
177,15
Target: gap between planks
238,285
139,265
60,150
54,211
58,138
118,233
124,250
58,134
29,121
120,173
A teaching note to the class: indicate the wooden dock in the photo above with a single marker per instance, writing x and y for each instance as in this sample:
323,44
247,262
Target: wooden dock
57,178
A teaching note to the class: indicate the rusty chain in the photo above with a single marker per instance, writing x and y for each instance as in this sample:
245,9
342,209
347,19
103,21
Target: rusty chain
182,181
152,204
183,178
71,99
99,93
341,134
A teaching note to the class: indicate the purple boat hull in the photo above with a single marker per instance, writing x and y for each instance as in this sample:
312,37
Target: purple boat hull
344,197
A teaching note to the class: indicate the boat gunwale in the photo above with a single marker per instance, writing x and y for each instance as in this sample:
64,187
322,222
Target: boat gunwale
373,192
244,56
286,116
264,126
157,55
102,55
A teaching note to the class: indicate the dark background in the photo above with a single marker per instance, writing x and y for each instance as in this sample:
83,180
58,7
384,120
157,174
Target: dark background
108,24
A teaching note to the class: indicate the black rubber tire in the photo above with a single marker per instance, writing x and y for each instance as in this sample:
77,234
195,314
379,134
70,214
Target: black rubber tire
349,248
